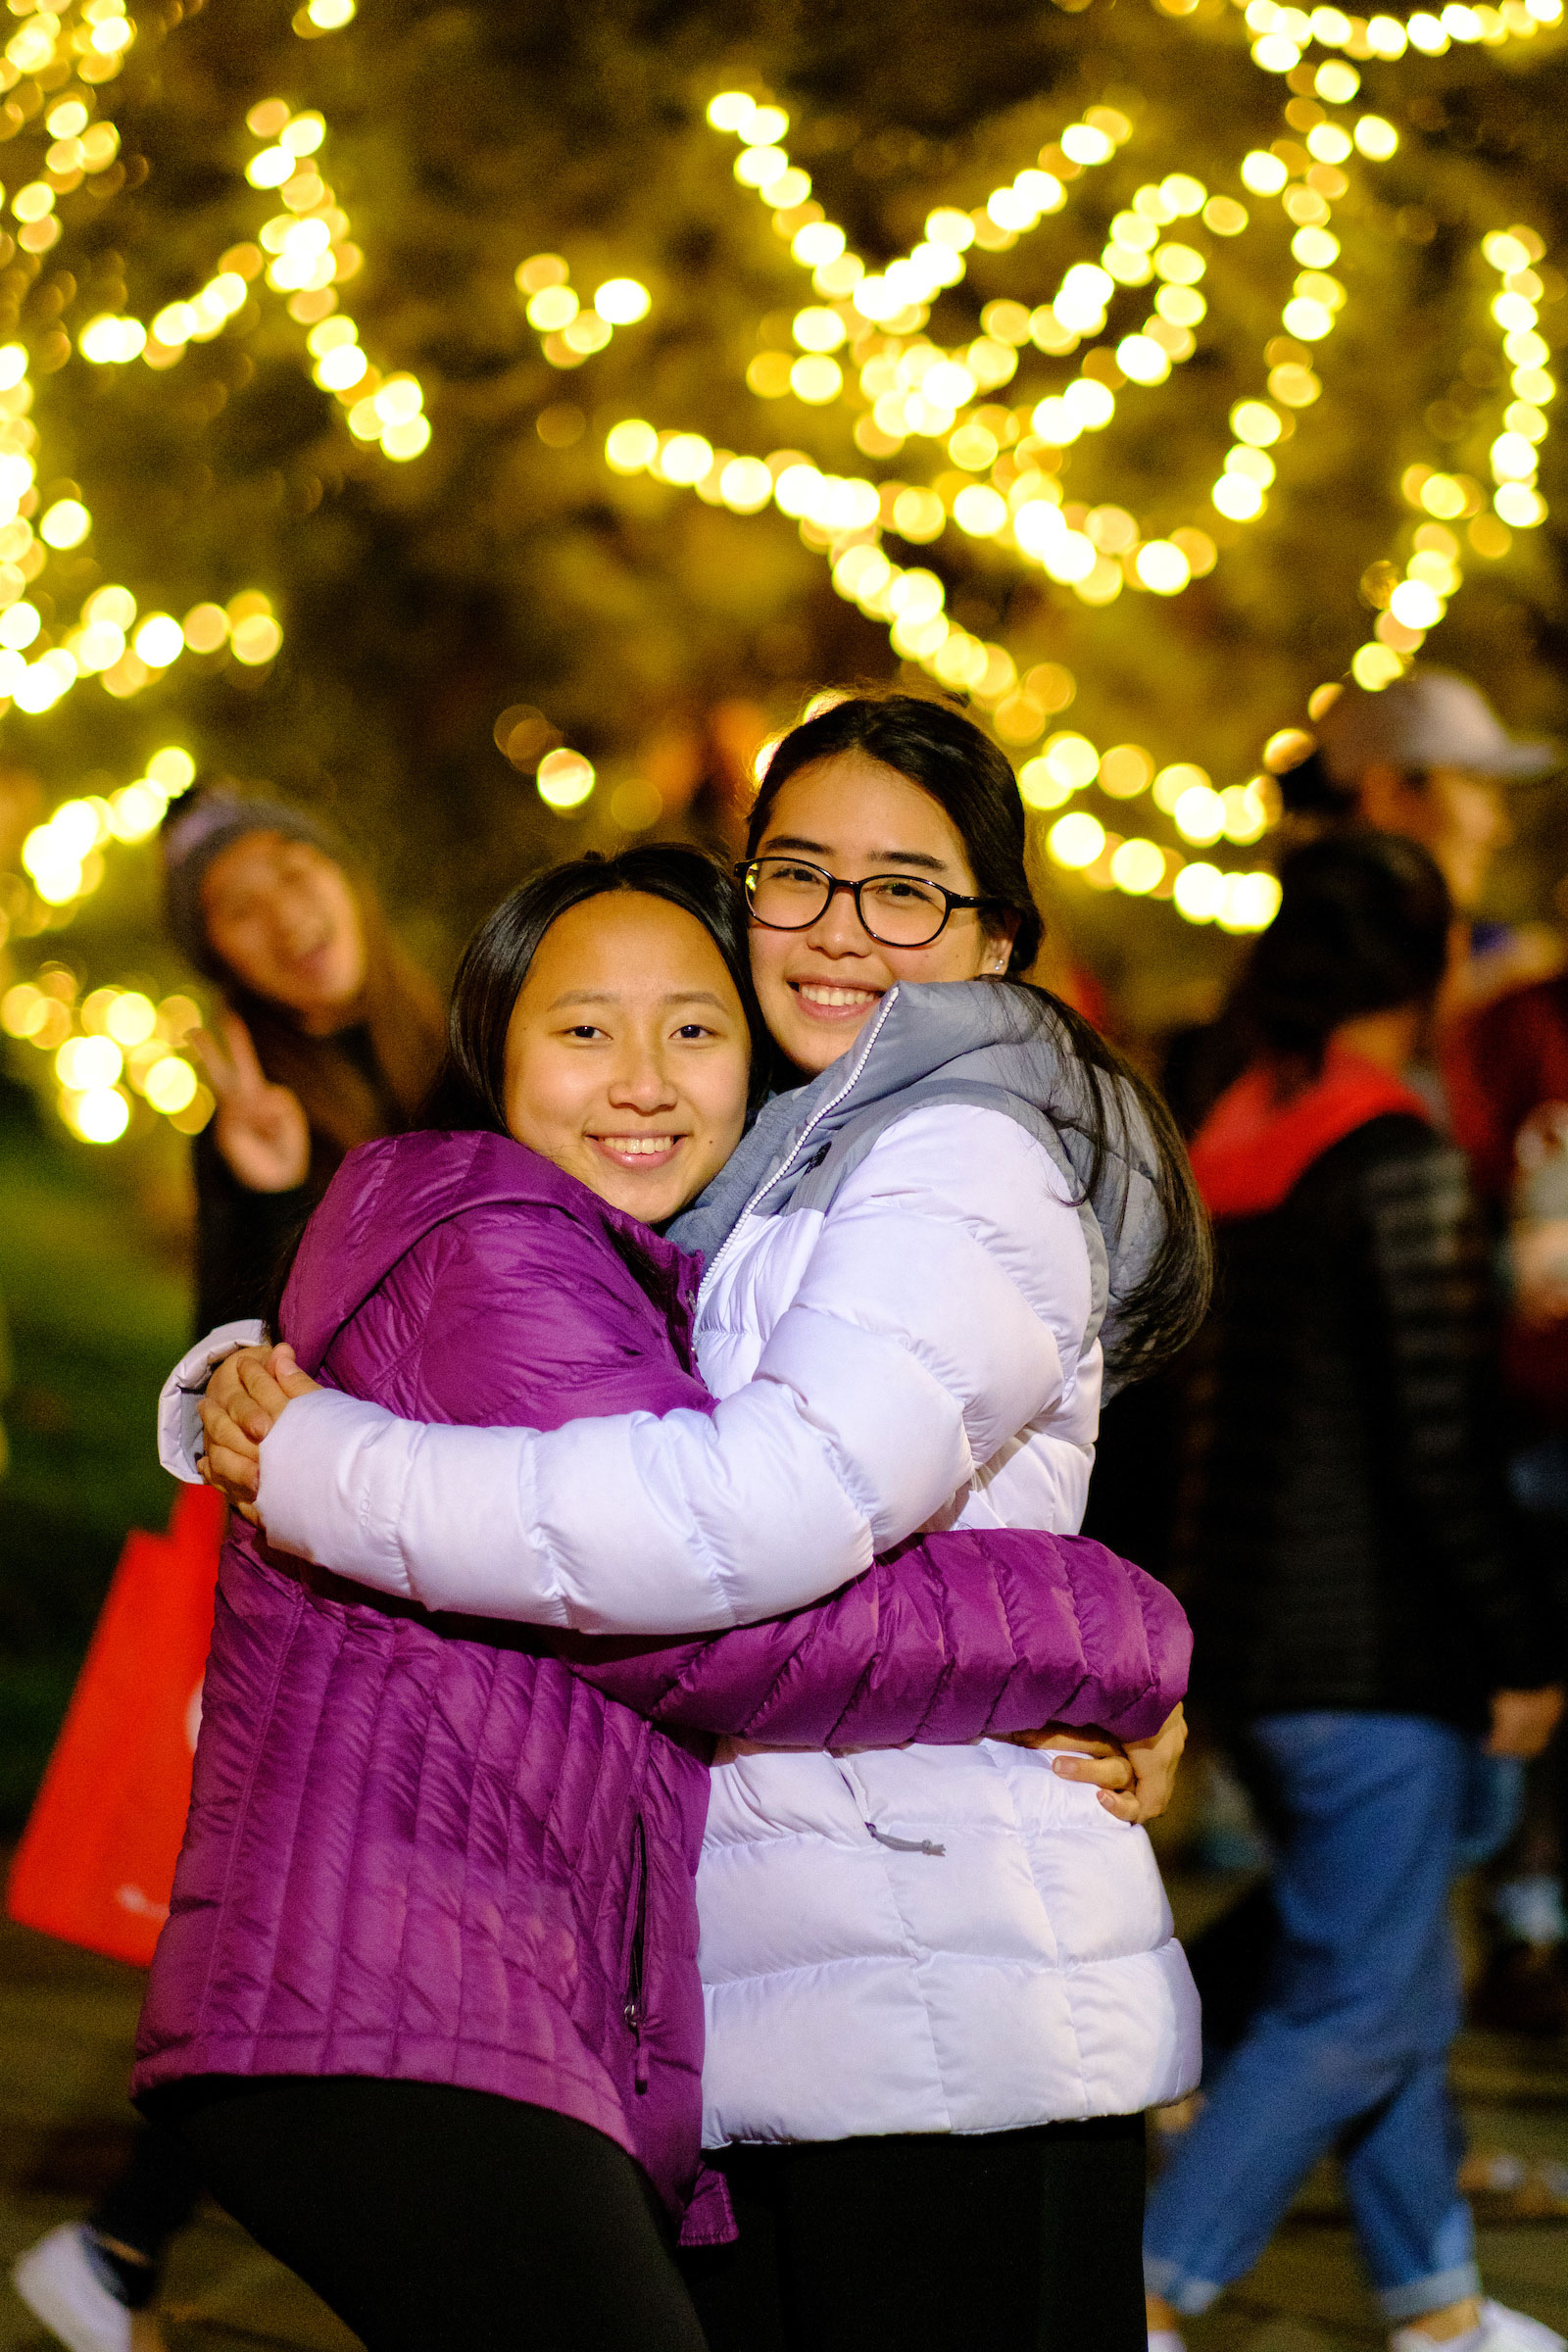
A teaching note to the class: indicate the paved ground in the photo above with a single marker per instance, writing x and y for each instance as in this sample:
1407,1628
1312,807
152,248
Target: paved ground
66,2022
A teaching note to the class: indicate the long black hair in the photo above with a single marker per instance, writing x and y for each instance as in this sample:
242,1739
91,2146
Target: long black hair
1363,926
470,1089
937,748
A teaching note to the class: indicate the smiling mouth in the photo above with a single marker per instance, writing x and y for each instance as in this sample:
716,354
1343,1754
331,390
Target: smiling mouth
638,1151
825,1000
305,958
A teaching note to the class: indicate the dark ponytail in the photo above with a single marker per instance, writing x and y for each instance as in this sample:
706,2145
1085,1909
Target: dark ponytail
937,748
470,1089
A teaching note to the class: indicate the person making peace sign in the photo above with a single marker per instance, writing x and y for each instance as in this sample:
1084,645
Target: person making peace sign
330,1034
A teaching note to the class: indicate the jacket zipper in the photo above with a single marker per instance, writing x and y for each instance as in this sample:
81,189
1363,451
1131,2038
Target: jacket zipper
634,1974
801,1141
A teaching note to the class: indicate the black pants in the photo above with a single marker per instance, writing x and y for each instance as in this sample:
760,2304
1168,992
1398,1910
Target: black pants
153,2198
426,2216
1029,2241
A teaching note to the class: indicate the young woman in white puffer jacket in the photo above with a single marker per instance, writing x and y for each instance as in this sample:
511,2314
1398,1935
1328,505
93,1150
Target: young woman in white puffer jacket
942,1983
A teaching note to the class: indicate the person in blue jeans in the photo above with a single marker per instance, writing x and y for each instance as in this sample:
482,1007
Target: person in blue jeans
1363,1624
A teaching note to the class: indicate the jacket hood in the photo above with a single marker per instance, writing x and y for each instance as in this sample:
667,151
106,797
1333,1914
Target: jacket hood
388,1194
1254,1149
999,1045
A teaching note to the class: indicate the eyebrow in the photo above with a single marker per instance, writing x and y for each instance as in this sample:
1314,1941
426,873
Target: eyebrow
919,858
604,996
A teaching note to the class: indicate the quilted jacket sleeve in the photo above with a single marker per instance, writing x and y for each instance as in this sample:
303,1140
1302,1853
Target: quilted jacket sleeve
923,1335
179,1426
956,1638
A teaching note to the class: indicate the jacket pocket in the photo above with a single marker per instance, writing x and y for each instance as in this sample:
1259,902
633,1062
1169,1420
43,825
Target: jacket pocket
637,1953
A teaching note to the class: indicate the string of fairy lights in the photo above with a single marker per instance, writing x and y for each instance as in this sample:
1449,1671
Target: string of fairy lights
304,252
115,1051
116,1046
909,387
861,342
68,57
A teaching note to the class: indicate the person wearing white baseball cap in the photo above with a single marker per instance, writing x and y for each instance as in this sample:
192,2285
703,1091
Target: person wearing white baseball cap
1426,757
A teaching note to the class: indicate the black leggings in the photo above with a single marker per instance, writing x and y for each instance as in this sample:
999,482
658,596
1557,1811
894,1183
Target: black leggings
148,2203
1031,2240
427,2216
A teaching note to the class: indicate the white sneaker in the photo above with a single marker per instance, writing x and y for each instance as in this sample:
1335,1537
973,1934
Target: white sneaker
1504,2331
1501,2331
61,2284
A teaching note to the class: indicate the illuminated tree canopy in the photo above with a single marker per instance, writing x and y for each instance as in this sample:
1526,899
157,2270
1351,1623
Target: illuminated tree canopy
489,424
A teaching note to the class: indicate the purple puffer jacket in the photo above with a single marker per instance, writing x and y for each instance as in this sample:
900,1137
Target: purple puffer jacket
460,1853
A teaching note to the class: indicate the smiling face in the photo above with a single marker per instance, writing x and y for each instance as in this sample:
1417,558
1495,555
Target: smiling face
281,916
628,1055
853,816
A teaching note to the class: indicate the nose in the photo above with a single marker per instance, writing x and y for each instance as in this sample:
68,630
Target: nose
838,930
642,1081
296,916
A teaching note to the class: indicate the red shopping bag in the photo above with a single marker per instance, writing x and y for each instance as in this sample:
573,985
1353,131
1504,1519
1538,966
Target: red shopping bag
96,1862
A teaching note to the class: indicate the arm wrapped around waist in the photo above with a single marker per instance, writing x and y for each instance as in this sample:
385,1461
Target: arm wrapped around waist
949,1638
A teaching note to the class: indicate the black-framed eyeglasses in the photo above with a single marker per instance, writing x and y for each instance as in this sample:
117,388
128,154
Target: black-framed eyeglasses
897,910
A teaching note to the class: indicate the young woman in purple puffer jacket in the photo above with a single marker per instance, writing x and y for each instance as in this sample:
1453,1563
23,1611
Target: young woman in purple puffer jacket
427,2007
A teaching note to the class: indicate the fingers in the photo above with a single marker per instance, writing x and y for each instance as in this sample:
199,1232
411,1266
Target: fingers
234,1474
1153,1794
1101,1772
1124,1809
232,1417
237,1509
268,1398
1062,1736
1155,1761
226,1386
224,1430
287,1374
242,1054
214,1061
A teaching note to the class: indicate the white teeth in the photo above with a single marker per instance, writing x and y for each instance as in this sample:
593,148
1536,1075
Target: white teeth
641,1145
836,996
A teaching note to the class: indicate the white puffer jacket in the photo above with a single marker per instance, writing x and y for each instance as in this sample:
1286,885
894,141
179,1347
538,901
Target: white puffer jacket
930,1939
922,1940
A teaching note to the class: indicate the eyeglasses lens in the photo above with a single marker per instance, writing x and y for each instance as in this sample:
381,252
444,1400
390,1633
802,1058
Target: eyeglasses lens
896,908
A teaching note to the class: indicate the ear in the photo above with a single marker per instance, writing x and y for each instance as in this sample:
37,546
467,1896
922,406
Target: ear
1000,932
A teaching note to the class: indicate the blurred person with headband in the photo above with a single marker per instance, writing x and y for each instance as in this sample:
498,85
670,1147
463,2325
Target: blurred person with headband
330,1036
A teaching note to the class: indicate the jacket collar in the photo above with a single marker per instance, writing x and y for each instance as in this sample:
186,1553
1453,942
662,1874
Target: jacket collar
994,1039
388,1194
1254,1149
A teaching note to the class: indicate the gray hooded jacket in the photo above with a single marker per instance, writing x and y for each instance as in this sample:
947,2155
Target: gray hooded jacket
995,1043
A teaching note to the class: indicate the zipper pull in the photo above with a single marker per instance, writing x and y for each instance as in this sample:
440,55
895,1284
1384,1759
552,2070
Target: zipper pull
639,2068
907,1845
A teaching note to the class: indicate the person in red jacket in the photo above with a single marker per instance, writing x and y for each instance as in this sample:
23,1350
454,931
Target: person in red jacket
1367,1632
1505,1072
